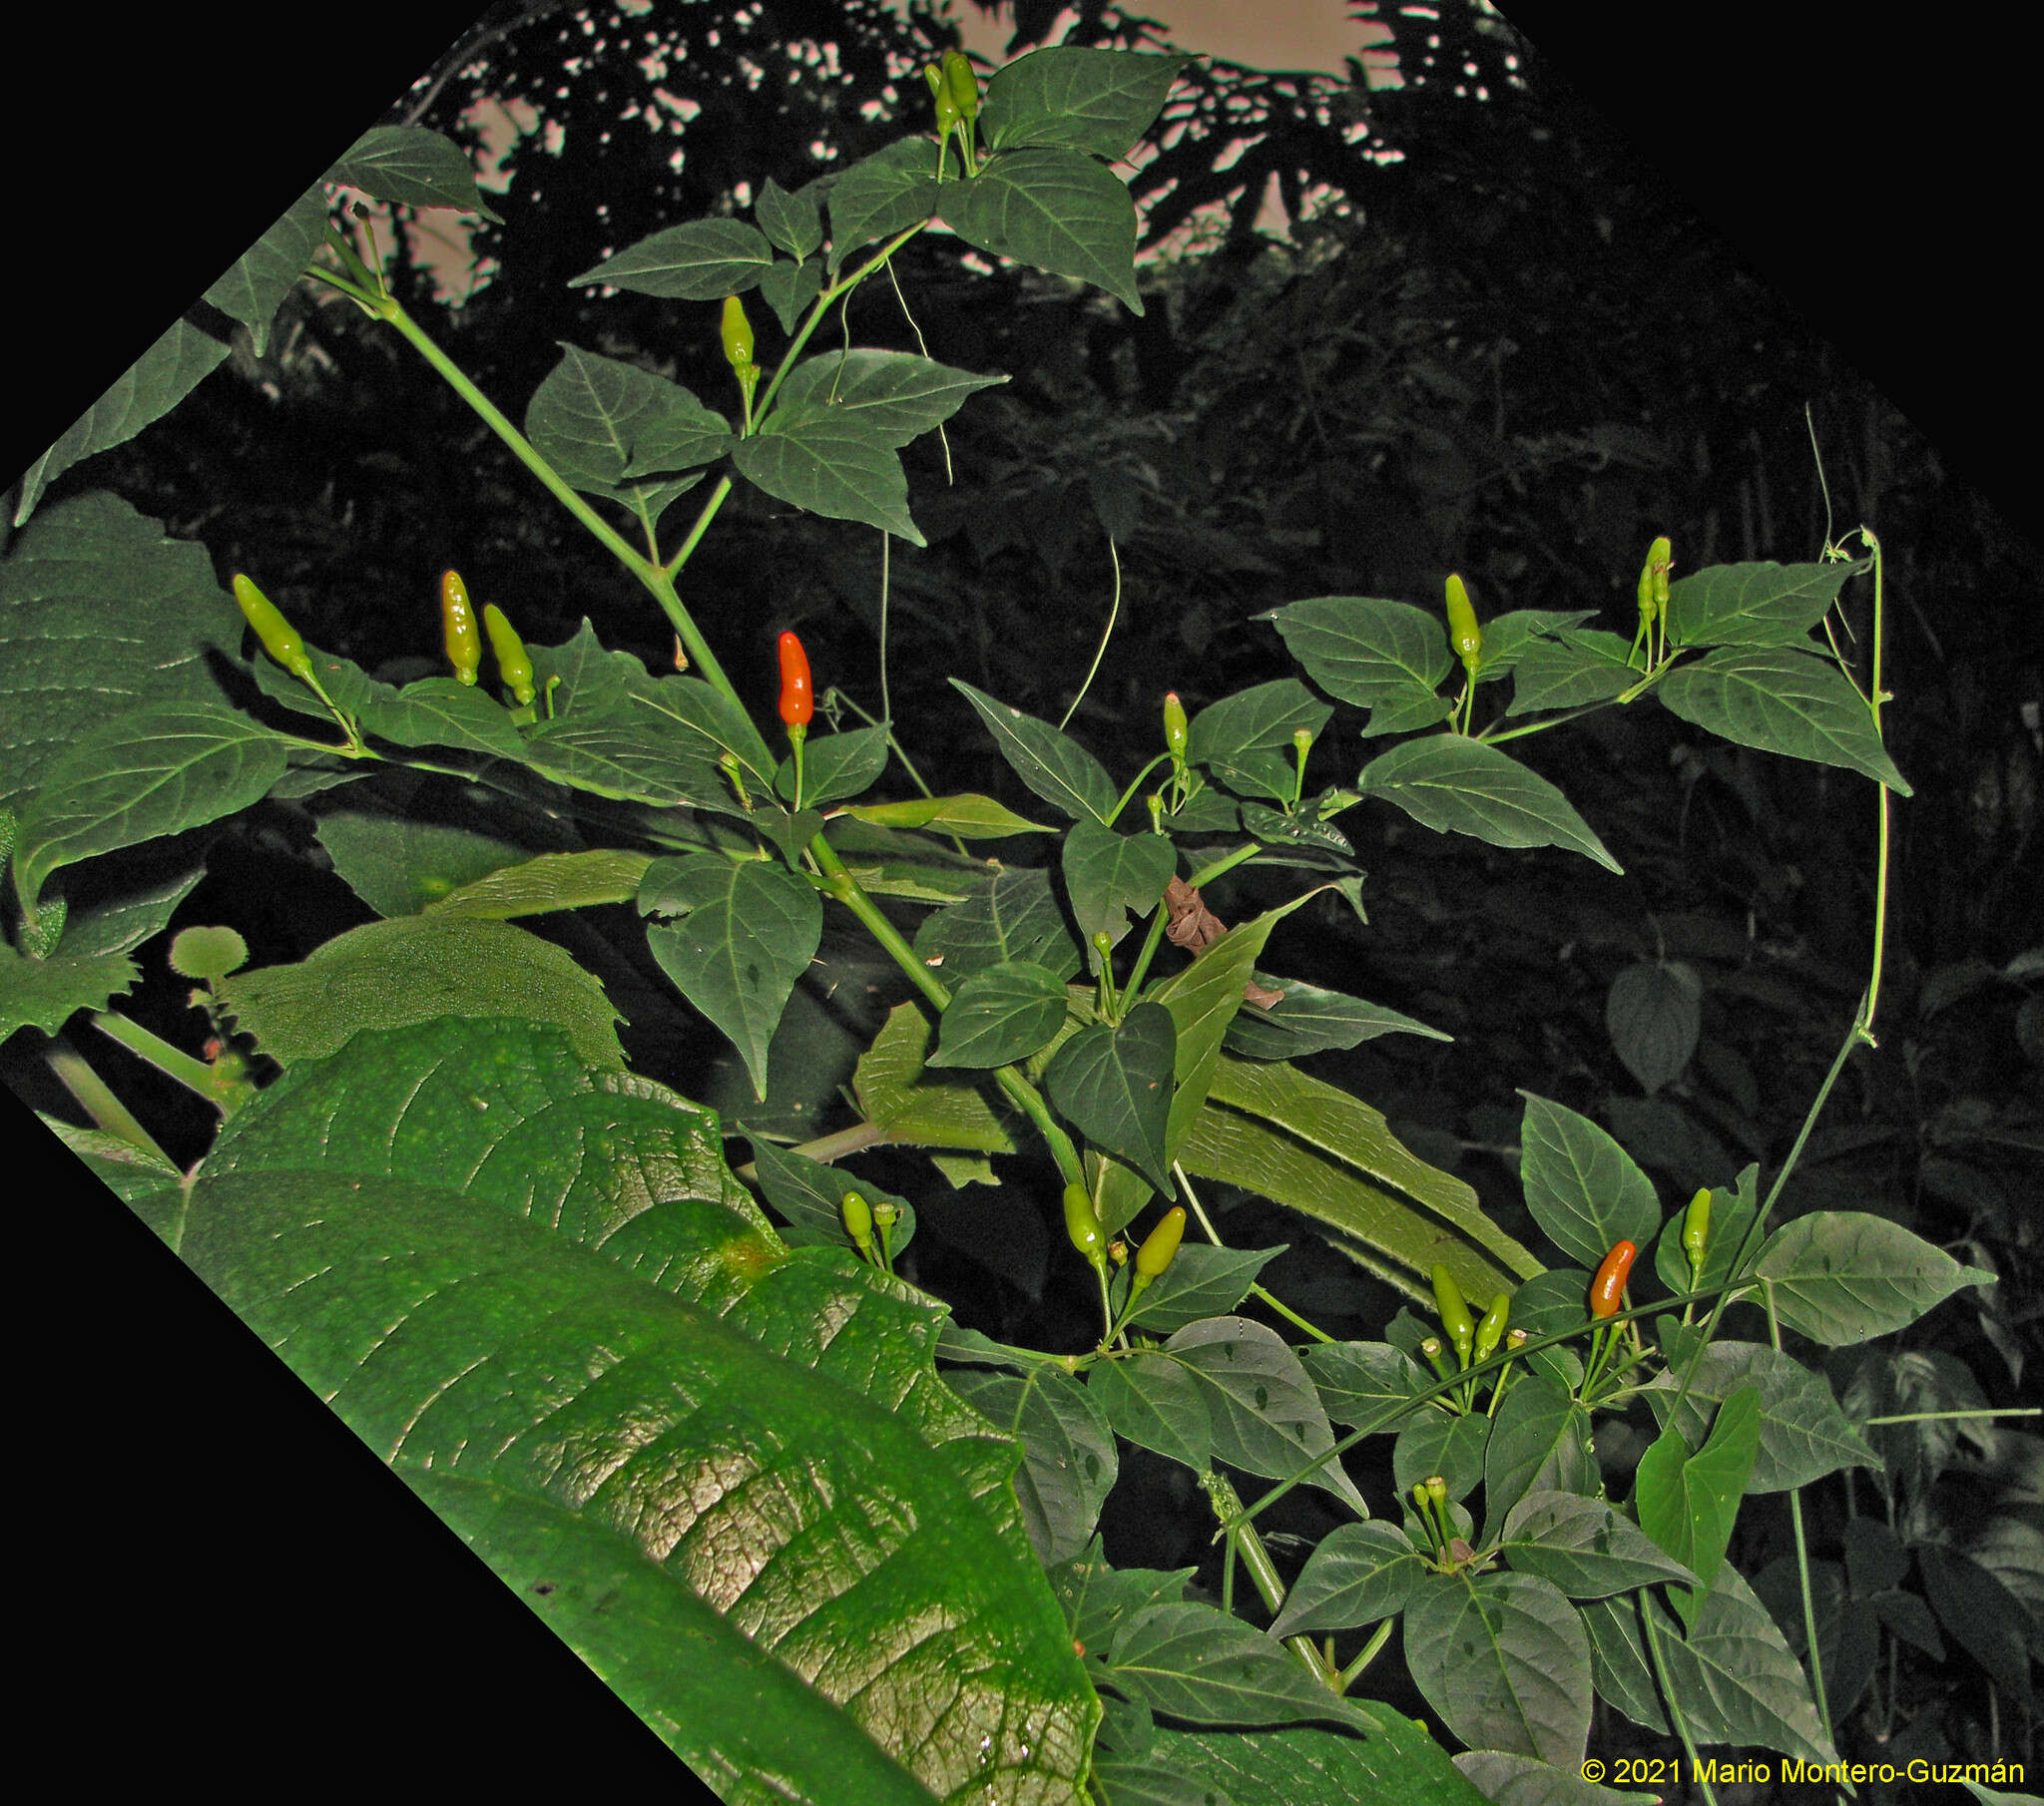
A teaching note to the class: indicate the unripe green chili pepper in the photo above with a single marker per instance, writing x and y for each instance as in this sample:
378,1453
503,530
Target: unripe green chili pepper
1082,1224
279,638
962,83
1492,1326
798,693
1608,1285
858,1222
738,335
1175,730
514,665
1695,1229
1463,631
1160,1246
1456,1317
457,619
940,95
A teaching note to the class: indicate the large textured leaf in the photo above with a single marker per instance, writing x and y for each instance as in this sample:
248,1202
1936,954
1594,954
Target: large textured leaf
1581,1186
905,1103
747,931
99,614
1055,209
1096,101
254,288
1397,1764
158,380
1751,604
1782,701
414,969
1012,914
536,1292
1056,767
1263,718
411,164
1802,1433
1843,1276
1457,785
1505,1661
144,773
703,261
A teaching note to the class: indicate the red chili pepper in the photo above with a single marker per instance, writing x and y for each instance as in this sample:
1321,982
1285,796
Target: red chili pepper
1608,1285
798,695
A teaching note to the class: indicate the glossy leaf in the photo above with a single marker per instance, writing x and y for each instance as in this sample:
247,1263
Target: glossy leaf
591,414
1366,651
1200,1282
1261,718
1753,605
1011,915
1000,1014
1096,101
1054,767
1457,785
1358,1574
443,712
1052,210
1507,638
881,195
704,261
1582,1187
970,818
1539,1443
894,396
1782,701
1505,1661
836,766
1843,1276
1580,667
1108,875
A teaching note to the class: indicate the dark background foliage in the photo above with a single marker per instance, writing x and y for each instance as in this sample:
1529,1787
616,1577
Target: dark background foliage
1513,351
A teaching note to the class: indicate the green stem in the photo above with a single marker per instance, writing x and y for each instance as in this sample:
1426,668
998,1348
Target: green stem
1378,1639
1214,1236
192,1072
1941,1417
1688,1743
1263,1571
98,1100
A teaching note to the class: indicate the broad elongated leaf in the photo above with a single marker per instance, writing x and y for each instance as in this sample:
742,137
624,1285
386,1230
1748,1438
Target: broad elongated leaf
1359,1572
1069,1464
1158,1405
1782,701
1457,785
789,288
389,975
811,1197
1056,768
1581,1186
1618,1659
1539,1443
1107,875
836,766
1003,1013
747,931
703,261
831,464
100,613
905,1103
1096,101
1200,1282
1584,1547
1430,1443
792,222
1802,1433
1399,1764
1364,1383
508,1271
1843,1276
970,818
1113,1084
1263,718
1052,210
1580,667
1306,1020
1751,604
1365,650
1505,1661
254,288
632,756
592,415
881,195
1012,915
1207,1667
894,396
413,165
1732,1211
144,773
443,712
535,887
153,384
1507,638
1687,1502
1735,1679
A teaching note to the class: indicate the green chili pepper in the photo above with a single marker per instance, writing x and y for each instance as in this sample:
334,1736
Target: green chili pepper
1463,631
1456,1317
858,1222
738,335
1175,730
514,664
1492,1326
1160,1246
941,95
1696,1230
961,81
1082,1224
279,638
457,619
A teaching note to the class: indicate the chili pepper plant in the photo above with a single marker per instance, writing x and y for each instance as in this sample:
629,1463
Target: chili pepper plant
668,1375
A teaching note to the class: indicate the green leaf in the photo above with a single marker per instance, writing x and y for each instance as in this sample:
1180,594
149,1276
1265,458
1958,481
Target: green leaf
1113,1086
1583,1548
45,994
1505,1661
881,195
1583,665
1687,1503
1157,1405
1012,915
1843,1276
602,423
1107,875
1194,1662
443,712
132,1174
1052,210
1507,638
568,1268
413,166
1001,1014
254,288
1366,650
704,261
1782,701
748,932
1539,1443
142,774
969,816
1654,1012
1619,1660
1309,1020
1454,784
1730,1211
633,755
1753,605
792,222
100,613
1069,1464
590,678
208,953
1802,1433
836,766
537,887
1358,1574
789,288
153,384
1200,1282
1431,1443
894,396
1981,1615
706,721
811,1197
400,865
1582,1187
831,464
1259,720
1734,1677
1266,1418
1364,1382
123,922
390,975
1054,767
1096,101
907,1105
1399,1764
